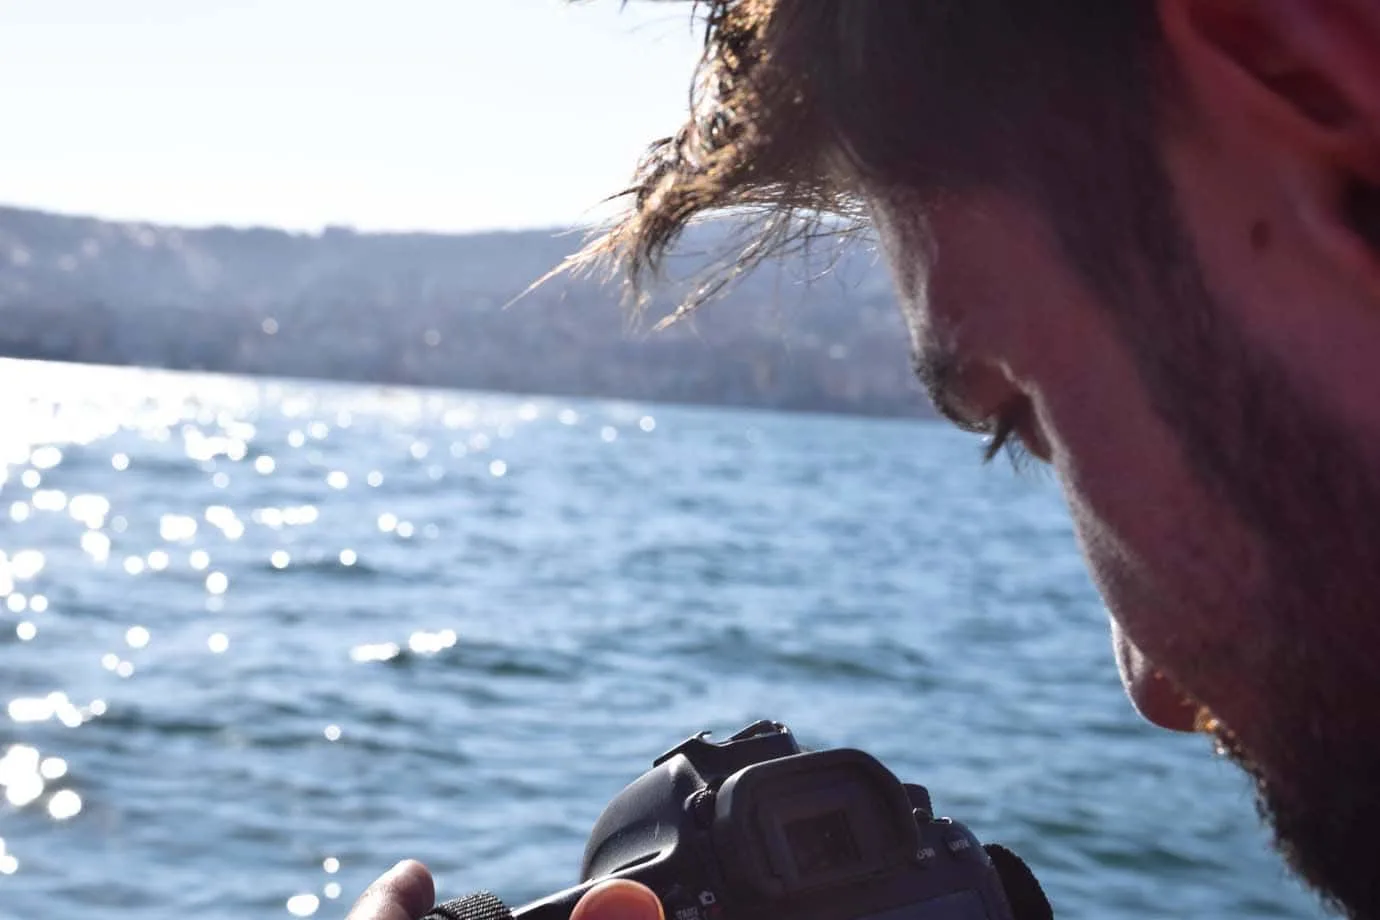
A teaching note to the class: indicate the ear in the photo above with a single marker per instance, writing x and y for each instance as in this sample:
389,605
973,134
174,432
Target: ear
1301,79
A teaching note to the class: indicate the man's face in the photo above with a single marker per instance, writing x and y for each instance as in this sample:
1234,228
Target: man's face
1216,431
1007,330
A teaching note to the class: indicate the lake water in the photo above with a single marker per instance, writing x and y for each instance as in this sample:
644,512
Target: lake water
259,640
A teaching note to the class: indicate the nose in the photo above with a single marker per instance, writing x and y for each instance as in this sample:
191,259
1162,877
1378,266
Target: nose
1153,694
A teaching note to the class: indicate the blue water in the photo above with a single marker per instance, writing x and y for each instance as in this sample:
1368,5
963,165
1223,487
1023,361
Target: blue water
260,640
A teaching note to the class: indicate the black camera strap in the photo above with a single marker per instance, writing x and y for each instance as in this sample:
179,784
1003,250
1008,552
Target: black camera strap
1023,893
478,906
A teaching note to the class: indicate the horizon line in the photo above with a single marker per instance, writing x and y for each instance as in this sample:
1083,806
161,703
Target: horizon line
321,229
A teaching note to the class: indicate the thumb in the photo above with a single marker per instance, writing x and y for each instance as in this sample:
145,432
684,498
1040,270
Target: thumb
619,899
402,893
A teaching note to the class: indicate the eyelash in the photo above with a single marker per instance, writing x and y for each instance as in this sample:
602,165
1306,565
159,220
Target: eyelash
1004,436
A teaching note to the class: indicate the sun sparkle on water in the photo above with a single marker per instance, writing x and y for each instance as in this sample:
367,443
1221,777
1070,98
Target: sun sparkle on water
202,436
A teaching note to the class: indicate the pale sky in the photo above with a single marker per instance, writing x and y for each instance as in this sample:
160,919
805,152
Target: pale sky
380,114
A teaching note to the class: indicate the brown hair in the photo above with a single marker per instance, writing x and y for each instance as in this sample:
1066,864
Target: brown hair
797,101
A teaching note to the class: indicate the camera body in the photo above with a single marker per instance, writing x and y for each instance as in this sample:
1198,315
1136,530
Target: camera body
755,826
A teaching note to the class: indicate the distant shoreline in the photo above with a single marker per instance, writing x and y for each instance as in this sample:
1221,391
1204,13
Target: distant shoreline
11,366
427,310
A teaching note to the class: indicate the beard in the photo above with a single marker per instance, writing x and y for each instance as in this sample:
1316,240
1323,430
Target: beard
1302,484
1305,486
1296,478
1321,813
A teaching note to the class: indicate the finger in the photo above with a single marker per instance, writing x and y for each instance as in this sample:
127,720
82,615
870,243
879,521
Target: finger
619,899
404,892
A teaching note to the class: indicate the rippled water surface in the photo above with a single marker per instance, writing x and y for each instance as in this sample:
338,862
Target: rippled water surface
258,641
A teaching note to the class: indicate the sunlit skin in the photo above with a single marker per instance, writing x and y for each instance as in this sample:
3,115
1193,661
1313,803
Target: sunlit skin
1224,613
1273,161
1040,336
982,283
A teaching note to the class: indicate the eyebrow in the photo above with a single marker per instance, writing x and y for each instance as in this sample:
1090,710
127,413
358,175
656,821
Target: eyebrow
939,368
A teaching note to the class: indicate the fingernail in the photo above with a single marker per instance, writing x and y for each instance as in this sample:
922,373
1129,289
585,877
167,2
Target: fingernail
619,899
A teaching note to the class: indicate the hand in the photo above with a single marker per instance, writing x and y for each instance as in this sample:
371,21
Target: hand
406,892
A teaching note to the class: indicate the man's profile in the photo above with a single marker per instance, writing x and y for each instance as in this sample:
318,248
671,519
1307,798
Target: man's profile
1139,240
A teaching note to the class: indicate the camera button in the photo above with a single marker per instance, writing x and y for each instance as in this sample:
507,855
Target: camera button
960,845
701,808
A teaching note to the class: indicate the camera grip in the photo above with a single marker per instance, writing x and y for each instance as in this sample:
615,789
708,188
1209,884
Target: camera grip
1023,892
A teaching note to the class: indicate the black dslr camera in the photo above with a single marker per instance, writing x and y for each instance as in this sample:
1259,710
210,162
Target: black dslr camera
755,827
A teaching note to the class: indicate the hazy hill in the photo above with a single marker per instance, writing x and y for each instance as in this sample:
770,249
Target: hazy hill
428,309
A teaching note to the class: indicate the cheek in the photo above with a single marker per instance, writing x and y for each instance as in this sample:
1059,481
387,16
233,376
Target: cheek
1173,566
